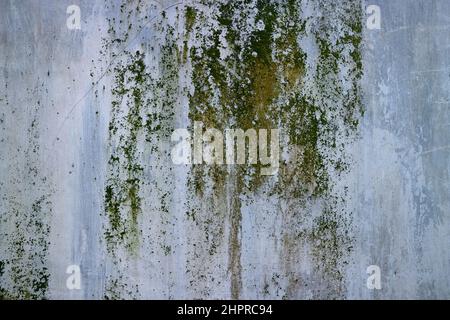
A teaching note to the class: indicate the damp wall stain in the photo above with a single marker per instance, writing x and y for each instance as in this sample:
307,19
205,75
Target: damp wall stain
87,176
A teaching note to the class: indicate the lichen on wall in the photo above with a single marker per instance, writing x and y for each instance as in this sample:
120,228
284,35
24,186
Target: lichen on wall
244,66
143,99
289,65
26,215
250,70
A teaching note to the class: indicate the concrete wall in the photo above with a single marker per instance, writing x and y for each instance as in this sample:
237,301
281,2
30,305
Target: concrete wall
87,179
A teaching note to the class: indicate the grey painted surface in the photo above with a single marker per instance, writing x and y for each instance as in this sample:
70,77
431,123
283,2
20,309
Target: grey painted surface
55,146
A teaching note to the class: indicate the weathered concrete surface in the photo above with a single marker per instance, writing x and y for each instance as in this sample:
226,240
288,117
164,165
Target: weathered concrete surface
86,176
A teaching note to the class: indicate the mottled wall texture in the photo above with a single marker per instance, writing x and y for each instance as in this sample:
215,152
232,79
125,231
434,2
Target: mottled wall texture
86,171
